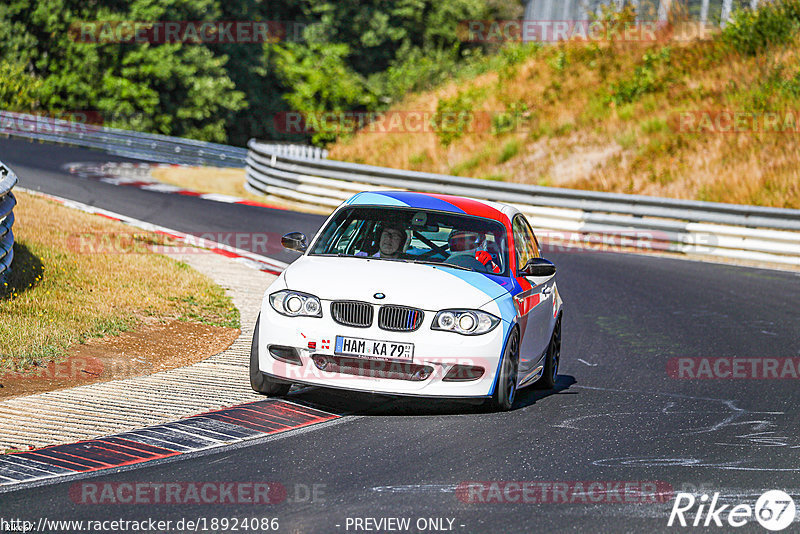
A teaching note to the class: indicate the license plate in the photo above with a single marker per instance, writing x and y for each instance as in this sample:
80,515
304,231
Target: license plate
374,349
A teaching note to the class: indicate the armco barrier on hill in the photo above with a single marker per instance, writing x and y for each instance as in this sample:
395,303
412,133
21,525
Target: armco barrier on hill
136,145
685,226
125,143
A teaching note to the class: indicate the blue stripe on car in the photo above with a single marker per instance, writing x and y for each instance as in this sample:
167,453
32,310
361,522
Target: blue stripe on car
506,332
416,200
491,285
376,199
494,287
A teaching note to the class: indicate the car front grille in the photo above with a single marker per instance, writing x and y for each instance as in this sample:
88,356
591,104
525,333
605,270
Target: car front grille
399,318
352,313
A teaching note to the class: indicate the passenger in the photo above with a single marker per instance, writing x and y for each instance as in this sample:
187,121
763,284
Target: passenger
463,242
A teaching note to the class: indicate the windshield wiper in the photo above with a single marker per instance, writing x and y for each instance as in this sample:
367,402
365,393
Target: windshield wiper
440,264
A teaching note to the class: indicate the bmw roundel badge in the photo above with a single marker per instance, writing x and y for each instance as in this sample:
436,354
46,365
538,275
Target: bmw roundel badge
379,296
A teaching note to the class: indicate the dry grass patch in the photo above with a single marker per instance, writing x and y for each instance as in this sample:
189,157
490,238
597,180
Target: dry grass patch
221,181
59,295
606,117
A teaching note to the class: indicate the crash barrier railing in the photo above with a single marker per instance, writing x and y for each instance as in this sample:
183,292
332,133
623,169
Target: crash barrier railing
7,202
137,145
152,147
576,218
707,12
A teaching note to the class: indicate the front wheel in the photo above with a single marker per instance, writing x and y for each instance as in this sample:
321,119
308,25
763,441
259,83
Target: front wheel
258,380
553,358
505,389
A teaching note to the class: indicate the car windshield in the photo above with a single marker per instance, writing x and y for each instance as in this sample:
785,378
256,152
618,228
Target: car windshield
421,236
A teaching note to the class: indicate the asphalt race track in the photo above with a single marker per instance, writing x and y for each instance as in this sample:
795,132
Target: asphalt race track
620,414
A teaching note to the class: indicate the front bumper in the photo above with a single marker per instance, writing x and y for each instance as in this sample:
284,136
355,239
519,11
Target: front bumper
435,350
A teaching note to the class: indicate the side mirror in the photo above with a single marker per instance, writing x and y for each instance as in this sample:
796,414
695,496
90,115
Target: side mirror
295,241
538,267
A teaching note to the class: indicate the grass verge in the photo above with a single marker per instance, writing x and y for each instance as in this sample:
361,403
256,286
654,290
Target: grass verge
60,293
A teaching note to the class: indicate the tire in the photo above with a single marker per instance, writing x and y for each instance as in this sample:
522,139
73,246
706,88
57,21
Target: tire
552,360
258,380
505,389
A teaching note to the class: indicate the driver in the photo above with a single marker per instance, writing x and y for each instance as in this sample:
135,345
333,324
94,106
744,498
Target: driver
462,241
391,243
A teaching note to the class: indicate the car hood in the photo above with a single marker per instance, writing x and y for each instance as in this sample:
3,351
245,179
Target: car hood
422,286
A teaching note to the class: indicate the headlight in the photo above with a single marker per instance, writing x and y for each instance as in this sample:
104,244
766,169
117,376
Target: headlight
296,304
465,322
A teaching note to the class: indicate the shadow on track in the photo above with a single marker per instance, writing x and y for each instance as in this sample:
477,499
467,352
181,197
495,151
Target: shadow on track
373,404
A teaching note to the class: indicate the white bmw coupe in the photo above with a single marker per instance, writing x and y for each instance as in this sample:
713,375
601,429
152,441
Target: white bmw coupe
413,294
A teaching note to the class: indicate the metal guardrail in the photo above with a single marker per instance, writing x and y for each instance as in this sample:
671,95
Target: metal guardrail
137,145
691,227
706,12
304,175
7,202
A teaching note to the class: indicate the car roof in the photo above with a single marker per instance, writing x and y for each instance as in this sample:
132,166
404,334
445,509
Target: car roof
433,201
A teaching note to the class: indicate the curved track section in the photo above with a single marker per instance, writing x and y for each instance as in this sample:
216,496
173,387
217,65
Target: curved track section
642,399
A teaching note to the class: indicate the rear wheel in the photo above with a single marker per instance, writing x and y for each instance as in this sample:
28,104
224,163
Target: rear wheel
258,380
552,360
505,389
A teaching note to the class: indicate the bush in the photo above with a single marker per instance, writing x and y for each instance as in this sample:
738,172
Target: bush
19,91
648,77
513,118
456,116
751,32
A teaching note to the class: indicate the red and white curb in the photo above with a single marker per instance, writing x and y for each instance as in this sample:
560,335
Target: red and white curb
255,261
138,175
210,430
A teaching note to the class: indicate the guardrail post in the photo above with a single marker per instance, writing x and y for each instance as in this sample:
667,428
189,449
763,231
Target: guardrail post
704,13
727,10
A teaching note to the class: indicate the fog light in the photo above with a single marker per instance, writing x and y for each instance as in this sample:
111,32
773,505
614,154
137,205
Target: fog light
285,354
422,374
463,373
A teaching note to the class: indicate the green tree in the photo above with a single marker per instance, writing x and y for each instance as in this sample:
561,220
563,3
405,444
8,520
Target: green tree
19,91
174,89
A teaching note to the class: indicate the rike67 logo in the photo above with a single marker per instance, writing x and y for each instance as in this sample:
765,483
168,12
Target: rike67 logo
774,510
